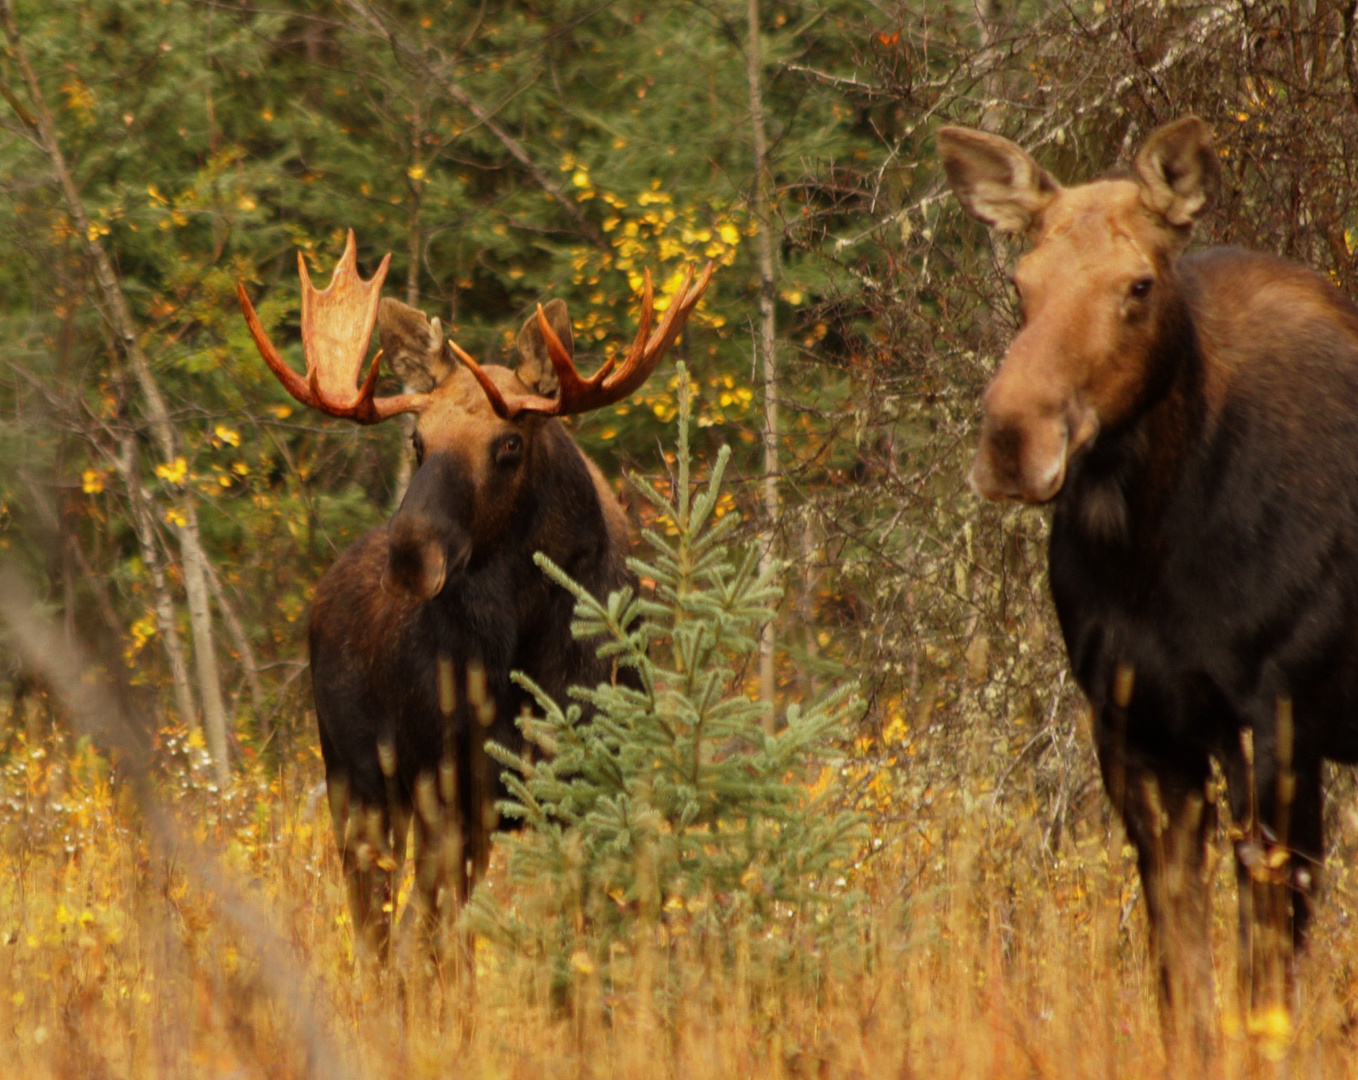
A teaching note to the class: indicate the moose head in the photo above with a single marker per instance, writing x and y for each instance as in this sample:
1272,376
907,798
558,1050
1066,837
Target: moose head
1097,290
477,427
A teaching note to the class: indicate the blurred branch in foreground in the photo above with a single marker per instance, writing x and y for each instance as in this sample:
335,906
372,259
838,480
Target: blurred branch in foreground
86,693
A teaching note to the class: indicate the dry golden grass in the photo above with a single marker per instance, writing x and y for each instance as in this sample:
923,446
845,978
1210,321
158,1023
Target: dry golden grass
983,958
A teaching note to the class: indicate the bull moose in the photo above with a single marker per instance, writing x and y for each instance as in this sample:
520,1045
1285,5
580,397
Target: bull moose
416,628
1193,420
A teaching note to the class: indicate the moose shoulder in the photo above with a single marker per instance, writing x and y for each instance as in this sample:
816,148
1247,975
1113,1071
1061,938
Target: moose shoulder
416,628
1194,421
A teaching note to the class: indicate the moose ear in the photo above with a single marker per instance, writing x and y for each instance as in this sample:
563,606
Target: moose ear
535,366
995,180
1178,170
413,345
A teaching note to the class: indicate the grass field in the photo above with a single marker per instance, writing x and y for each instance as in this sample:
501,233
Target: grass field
229,953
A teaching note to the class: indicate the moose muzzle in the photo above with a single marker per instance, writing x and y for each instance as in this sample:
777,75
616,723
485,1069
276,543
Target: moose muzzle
1033,424
427,542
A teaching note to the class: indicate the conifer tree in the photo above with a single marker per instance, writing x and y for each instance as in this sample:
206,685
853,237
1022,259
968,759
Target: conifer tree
660,798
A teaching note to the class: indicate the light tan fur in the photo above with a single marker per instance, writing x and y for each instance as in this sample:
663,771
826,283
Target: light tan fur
1084,355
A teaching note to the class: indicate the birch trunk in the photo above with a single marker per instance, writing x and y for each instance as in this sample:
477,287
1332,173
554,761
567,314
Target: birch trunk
193,559
243,647
143,524
405,467
766,347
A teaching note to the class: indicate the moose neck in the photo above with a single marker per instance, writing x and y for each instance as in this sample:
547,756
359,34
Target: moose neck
1116,488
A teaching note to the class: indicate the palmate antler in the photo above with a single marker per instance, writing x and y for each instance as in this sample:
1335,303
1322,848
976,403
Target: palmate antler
605,386
337,324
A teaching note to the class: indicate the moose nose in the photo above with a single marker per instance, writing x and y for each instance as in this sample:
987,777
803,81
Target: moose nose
421,558
426,541
1021,460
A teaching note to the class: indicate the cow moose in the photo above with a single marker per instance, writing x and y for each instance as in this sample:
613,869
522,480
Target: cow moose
1193,420
416,628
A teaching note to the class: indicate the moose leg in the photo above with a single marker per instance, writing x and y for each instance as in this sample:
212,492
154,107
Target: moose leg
368,836
1278,810
439,865
1169,821
367,860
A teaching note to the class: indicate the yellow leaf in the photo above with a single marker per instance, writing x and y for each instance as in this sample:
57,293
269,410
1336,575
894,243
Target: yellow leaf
281,411
174,517
91,482
582,963
173,472
1273,1028
226,434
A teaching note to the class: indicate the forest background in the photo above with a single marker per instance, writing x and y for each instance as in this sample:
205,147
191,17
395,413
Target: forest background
173,508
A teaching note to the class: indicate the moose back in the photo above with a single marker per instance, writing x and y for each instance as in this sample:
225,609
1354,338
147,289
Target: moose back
1194,421
416,628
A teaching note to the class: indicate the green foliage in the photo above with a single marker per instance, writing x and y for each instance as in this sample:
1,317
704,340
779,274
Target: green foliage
662,800
211,144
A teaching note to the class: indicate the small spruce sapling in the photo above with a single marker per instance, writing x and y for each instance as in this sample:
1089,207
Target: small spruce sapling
664,801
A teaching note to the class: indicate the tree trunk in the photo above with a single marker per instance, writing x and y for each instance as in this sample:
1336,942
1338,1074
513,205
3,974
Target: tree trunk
143,523
405,467
242,643
116,309
766,348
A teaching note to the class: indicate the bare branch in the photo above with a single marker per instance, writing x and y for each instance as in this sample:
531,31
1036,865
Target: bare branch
414,56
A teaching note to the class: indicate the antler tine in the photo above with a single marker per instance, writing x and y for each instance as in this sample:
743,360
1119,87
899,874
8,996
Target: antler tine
643,325
646,352
677,316
293,383
505,410
607,385
572,384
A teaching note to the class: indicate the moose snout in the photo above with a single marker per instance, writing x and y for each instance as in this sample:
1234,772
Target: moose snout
427,542
1022,459
421,556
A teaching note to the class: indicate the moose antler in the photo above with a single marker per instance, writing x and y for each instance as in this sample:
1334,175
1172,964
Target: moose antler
578,394
337,323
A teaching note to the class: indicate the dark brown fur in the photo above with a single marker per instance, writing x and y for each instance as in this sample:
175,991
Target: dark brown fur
1194,421
416,628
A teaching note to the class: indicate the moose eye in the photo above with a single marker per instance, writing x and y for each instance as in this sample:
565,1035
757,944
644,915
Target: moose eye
418,444
509,450
1141,288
